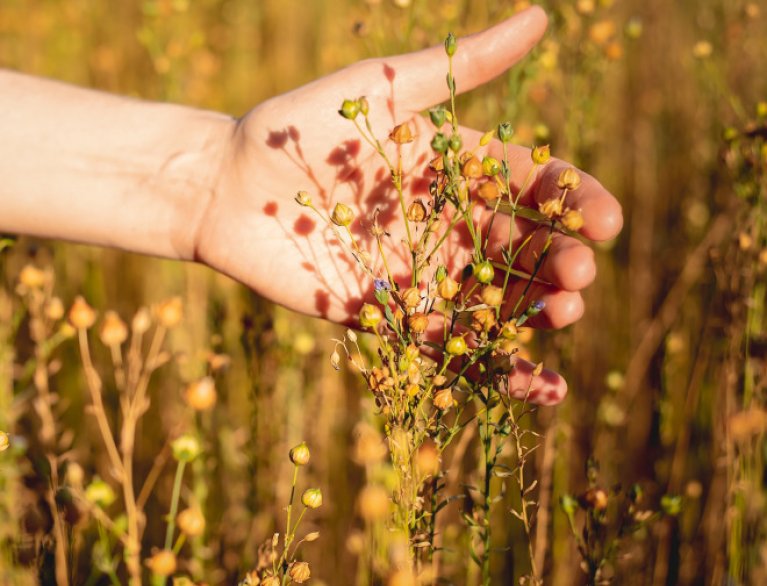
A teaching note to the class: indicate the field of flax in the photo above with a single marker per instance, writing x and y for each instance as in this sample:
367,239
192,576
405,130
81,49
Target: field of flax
148,425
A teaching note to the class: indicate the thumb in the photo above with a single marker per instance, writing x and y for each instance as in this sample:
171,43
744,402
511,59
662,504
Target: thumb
419,78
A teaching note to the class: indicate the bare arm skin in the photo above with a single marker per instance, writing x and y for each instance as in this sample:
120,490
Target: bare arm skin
188,184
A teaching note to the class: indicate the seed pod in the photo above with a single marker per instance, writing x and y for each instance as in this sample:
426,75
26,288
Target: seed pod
447,288
572,220
401,134
456,346
302,198
483,320
541,154
439,143
32,277
505,132
350,109
489,191
472,168
370,316
417,211
437,116
483,272
191,522
299,572
201,394
455,142
312,498
492,296
443,399
185,448
551,208
451,44
300,454
418,323
81,315
162,563
170,312
342,215
491,166
411,297
569,179
113,330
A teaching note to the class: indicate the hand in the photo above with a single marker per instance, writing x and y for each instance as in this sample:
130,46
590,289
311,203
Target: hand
254,231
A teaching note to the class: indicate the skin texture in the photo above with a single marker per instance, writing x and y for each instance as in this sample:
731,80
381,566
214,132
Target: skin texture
188,184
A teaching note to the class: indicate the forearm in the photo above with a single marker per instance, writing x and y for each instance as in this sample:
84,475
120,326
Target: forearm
90,167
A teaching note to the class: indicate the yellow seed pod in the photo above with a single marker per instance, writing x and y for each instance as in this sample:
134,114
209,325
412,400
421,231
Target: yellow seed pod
300,454
472,168
569,179
541,154
489,191
572,220
312,498
32,277
170,312
201,394
551,208
81,315
342,215
401,134
417,211
492,295
113,330
162,563
299,572
443,399
448,288
418,322
191,522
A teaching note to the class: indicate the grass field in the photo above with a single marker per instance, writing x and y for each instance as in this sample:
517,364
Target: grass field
652,471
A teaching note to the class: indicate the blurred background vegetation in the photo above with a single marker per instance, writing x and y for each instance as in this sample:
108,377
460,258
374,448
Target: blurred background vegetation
663,101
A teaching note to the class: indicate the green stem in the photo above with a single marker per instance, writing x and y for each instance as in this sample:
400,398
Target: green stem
174,504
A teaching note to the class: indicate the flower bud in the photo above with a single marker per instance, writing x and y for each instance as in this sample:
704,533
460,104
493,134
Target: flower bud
417,211
456,346
569,179
437,116
451,44
373,503
100,493
113,330
191,522
141,321
364,105
448,288
472,168
492,295
54,309
32,277
541,154
186,448
505,132
440,274
342,215
370,316
572,220
302,198
201,394
489,191
170,312
483,272
299,572
5,441
312,498
300,454
418,323
350,109
491,166
81,315
443,399
313,536
162,563
401,134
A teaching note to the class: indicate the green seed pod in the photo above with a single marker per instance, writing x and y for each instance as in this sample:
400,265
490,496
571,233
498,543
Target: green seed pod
441,273
350,109
455,142
186,448
505,132
451,44
438,116
439,143
456,346
483,272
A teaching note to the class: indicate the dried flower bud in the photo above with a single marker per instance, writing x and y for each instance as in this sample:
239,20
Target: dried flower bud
342,215
141,321
456,346
483,320
401,134
5,441
569,179
335,360
350,109
162,563
437,116
299,572
300,454
113,330
443,399
100,493
81,315
486,138
271,581
186,448
370,316
505,132
451,44
302,198
483,272
492,295
489,191
312,498
538,369
352,336
411,297
32,277
54,309
417,211
427,459
572,220
472,168
418,322
201,394
491,166
373,503
541,154
170,312
448,288
191,522
551,208
313,536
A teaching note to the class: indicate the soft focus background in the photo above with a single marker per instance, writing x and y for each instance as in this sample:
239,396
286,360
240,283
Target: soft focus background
663,101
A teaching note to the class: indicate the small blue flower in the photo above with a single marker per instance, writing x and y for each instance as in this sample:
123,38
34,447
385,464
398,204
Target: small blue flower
536,307
380,285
